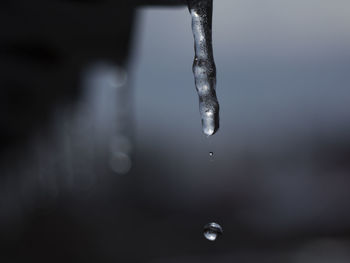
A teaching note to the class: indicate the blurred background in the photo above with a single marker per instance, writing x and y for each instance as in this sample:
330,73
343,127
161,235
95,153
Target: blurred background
102,158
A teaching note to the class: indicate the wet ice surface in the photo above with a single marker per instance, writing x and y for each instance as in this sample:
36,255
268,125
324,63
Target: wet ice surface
204,69
212,231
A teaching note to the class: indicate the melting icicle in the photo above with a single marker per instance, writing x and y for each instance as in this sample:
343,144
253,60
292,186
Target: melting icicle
204,69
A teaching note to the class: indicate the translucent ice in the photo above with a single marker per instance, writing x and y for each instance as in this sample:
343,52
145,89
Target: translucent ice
204,69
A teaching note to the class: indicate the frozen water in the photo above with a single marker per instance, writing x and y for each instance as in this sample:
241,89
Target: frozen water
204,69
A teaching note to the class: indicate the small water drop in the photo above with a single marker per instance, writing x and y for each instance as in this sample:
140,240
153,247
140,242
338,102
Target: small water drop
211,154
212,231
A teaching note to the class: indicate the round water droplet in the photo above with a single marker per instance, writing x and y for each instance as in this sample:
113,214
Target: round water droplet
211,154
212,231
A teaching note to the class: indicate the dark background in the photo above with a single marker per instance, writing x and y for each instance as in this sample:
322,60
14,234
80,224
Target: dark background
102,156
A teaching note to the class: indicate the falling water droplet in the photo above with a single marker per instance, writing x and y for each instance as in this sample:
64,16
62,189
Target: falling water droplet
204,69
211,154
212,231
